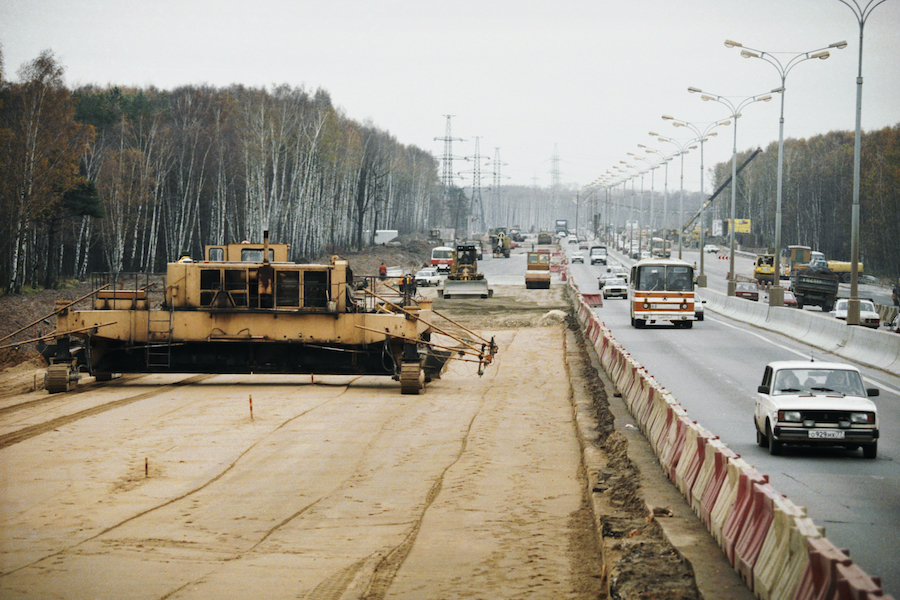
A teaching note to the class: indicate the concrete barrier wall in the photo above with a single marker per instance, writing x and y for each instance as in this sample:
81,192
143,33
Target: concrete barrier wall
778,550
877,348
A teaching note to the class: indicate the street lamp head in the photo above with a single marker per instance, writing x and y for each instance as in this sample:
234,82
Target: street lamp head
839,45
712,133
748,54
693,90
778,90
732,44
723,123
641,146
654,134
765,98
822,55
668,118
706,97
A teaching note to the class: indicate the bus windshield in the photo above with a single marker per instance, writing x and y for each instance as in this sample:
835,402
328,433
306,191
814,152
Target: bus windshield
658,278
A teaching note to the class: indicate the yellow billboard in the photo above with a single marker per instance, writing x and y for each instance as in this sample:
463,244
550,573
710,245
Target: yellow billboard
741,225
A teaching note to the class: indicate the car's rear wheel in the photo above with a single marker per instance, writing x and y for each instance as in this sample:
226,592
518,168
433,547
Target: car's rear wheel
870,450
775,447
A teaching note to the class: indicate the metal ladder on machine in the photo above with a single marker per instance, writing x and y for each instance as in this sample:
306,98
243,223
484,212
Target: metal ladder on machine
159,339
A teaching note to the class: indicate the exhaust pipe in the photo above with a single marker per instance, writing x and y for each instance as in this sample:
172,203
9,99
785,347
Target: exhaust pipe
265,245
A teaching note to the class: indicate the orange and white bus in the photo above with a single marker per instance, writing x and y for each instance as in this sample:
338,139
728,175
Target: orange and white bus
662,290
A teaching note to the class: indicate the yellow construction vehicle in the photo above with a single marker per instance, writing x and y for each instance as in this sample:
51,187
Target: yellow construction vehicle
464,278
537,272
246,309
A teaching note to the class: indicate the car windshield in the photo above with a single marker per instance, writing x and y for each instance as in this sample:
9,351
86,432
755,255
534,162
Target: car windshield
818,381
616,281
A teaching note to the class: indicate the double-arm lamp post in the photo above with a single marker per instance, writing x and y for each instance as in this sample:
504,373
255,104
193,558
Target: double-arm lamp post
702,136
735,115
663,159
861,14
683,148
651,166
776,294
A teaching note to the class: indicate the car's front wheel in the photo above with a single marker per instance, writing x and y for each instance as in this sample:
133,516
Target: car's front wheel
761,440
870,450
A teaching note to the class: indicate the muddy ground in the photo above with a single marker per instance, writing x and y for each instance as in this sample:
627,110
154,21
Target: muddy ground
639,561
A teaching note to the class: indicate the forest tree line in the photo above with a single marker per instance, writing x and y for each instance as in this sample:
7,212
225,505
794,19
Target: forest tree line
817,196
121,179
116,179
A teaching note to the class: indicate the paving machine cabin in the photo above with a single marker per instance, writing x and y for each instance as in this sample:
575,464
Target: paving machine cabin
247,309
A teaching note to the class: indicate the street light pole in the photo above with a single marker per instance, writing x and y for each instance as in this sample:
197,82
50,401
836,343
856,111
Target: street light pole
735,115
663,160
861,15
776,294
683,148
702,136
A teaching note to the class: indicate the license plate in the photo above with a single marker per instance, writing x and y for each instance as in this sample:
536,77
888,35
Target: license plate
826,434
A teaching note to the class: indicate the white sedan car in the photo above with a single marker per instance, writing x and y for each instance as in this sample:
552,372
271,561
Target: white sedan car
604,278
615,287
578,257
618,271
427,277
867,314
710,248
815,404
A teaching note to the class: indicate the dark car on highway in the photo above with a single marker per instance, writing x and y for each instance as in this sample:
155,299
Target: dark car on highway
745,290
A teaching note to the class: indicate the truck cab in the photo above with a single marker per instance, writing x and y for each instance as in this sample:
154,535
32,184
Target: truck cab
598,255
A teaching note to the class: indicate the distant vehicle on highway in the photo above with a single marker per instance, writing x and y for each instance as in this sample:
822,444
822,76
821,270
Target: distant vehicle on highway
662,290
598,255
442,258
790,299
815,404
428,277
619,271
868,316
578,257
711,248
615,287
601,281
746,290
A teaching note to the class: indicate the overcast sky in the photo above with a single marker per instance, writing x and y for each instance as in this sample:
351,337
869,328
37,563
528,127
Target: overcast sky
590,78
